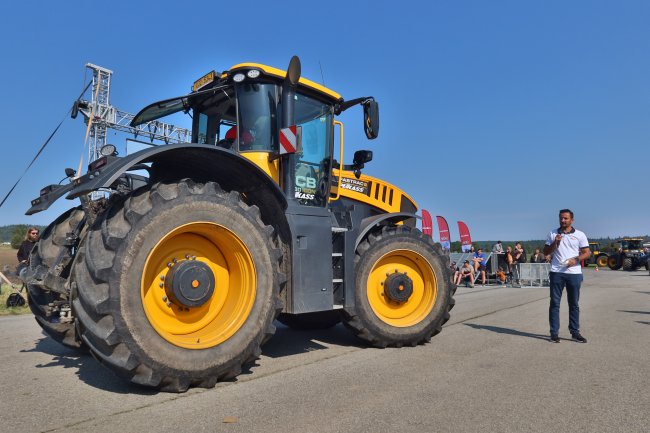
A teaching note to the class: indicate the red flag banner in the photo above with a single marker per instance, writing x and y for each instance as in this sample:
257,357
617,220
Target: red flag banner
465,238
445,240
427,224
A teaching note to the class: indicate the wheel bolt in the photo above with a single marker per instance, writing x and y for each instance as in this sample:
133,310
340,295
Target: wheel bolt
162,278
161,285
169,304
165,298
187,256
170,264
193,257
175,260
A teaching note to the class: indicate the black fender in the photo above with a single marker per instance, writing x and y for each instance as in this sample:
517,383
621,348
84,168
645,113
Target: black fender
48,195
201,163
370,223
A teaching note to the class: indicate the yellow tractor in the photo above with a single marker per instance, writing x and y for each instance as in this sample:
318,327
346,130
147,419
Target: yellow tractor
598,256
174,279
630,255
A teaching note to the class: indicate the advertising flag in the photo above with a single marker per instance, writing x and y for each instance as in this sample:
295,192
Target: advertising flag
445,240
427,224
465,238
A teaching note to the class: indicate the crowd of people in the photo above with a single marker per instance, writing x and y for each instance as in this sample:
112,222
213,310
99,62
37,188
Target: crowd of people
470,271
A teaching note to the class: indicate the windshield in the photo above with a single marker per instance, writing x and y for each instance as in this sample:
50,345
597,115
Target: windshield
258,129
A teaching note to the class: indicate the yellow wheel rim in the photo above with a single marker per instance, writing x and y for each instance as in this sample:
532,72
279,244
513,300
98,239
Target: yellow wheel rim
231,302
425,288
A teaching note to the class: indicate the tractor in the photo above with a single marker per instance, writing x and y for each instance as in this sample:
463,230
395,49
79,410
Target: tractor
630,255
179,258
598,256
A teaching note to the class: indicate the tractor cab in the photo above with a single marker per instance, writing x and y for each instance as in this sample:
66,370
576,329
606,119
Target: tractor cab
243,110
632,245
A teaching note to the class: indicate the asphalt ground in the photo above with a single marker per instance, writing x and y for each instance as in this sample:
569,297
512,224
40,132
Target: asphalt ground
491,369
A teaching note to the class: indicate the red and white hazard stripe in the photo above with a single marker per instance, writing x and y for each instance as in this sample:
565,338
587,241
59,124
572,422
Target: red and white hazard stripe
288,140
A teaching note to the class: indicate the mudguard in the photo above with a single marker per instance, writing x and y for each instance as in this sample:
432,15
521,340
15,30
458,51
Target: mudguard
367,224
49,195
197,161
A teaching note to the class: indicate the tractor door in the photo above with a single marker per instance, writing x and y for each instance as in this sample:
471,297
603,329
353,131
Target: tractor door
308,215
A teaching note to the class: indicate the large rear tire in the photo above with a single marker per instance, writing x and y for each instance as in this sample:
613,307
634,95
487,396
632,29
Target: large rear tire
50,262
308,321
628,265
403,289
186,286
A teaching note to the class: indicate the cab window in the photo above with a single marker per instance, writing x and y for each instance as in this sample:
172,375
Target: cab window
314,159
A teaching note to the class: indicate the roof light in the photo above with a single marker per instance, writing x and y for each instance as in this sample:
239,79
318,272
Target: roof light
238,78
253,73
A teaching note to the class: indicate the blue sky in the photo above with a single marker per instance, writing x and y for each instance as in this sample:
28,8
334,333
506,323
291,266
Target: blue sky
495,113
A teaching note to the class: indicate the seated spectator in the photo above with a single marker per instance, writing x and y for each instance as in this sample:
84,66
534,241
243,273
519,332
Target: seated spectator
538,257
501,276
480,264
466,275
454,272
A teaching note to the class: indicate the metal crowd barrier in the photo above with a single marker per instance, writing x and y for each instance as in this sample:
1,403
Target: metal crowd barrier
531,274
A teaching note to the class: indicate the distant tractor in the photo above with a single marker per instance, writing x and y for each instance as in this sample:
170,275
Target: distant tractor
598,257
630,255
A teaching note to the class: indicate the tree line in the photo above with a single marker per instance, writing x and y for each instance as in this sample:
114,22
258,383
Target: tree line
15,233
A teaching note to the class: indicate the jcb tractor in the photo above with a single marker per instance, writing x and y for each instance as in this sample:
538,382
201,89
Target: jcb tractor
597,257
630,256
173,279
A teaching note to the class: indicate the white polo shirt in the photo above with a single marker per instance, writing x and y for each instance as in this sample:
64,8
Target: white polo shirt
569,248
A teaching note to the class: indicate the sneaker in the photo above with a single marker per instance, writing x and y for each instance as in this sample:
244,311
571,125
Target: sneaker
579,338
555,338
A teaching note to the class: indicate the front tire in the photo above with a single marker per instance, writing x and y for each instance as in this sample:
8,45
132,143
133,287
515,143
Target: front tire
50,262
403,289
186,286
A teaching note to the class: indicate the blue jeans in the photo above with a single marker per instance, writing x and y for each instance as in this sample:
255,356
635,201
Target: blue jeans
572,282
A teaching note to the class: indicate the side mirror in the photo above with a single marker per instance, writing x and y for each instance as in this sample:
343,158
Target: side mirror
361,157
371,119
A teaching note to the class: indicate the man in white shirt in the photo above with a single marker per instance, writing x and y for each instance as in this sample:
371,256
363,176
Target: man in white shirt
568,247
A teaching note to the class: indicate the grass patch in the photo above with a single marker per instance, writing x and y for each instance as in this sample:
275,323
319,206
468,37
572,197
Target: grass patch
8,262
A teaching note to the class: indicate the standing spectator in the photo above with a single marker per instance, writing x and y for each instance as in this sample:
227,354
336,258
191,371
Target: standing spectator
31,237
480,264
497,248
538,257
568,247
520,253
510,260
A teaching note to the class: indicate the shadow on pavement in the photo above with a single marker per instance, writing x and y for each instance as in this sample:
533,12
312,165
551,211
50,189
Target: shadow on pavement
633,312
287,341
88,369
645,293
644,323
508,331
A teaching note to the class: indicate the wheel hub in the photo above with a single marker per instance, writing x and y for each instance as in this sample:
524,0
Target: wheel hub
189,283
398,287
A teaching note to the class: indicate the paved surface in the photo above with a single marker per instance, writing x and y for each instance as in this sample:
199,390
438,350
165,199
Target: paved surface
491,369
